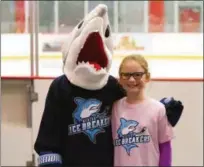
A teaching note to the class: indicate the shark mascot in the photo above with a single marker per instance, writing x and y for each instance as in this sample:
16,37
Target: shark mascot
75,129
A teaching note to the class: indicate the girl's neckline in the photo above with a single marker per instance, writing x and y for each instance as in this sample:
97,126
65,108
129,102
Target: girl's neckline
134,105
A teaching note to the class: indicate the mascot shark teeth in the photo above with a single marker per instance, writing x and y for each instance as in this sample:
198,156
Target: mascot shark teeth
87,56
75,129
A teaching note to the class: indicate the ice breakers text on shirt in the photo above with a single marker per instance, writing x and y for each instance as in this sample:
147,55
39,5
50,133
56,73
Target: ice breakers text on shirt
127,137
88,119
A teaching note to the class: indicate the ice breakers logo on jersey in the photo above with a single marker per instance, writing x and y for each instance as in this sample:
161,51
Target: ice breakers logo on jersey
87,118
127,137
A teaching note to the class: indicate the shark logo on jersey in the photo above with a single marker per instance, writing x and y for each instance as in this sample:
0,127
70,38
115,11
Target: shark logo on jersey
128,137
88,119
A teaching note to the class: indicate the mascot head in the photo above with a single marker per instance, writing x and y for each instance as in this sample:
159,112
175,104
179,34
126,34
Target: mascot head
87,54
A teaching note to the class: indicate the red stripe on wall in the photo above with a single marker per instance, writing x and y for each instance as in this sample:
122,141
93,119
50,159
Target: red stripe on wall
20,16
156,16
51,78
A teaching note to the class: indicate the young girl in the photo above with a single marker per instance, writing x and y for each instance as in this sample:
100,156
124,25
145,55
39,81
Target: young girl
141,131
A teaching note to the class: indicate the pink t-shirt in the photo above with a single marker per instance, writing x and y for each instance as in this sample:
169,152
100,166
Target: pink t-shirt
138,129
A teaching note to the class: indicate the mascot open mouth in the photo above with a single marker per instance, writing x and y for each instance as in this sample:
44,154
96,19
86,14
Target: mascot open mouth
93,52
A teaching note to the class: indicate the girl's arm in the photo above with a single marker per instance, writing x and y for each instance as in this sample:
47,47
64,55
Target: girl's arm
165,154
165,134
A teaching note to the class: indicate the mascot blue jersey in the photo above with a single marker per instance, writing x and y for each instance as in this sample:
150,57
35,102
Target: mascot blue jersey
76,123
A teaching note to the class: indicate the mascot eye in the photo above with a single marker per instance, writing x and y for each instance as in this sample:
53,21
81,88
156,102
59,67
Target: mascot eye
80,24
107,33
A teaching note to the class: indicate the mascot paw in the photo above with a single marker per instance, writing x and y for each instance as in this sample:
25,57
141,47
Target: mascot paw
174,109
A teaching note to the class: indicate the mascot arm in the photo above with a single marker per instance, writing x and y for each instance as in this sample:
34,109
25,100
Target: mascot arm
47,144
119,91
174,110
165,154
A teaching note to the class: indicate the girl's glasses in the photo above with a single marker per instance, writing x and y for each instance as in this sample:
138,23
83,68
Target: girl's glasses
135,75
